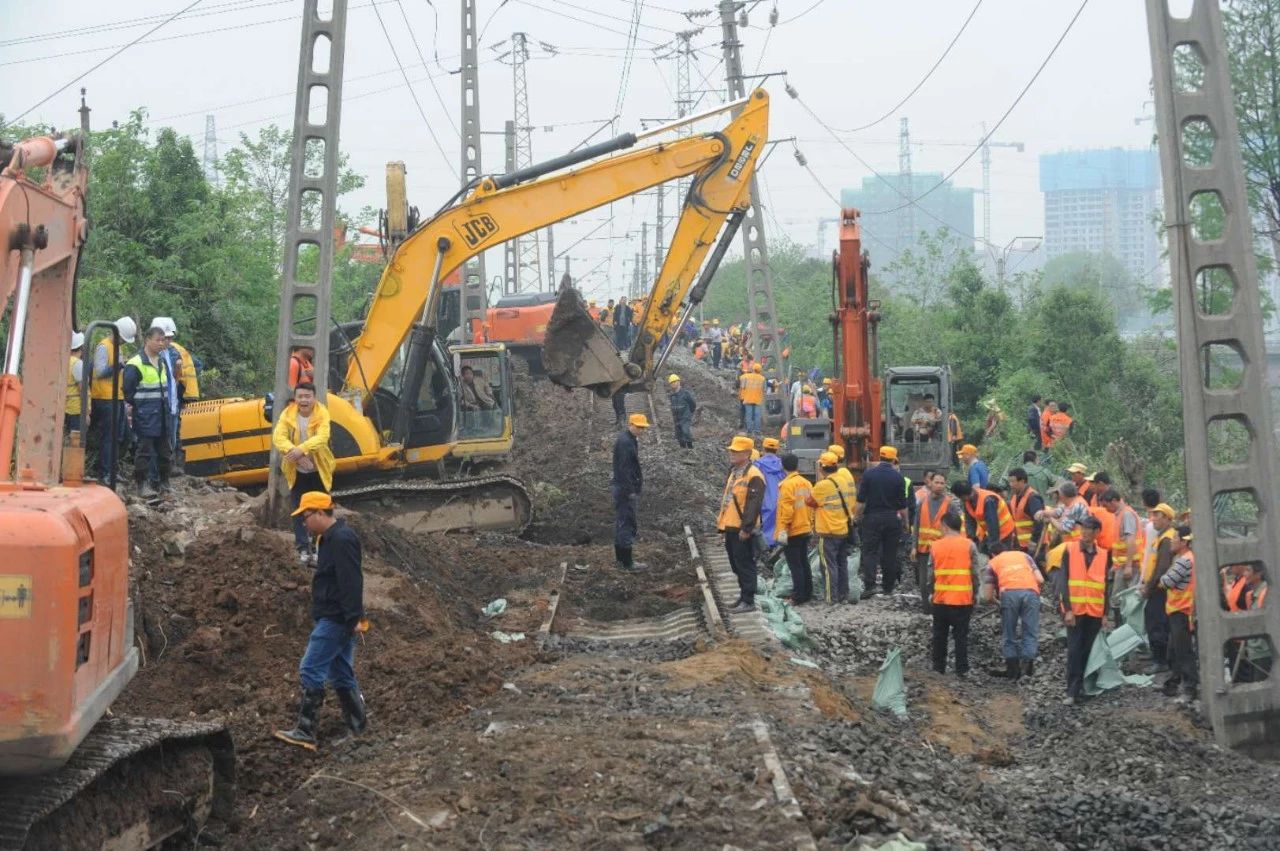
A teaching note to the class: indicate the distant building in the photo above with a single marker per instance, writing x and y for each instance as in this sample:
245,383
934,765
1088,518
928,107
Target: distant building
1103,201
887,234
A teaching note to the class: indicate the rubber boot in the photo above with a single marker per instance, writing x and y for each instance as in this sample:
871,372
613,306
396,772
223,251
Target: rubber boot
627,562
1028,667
145,489
304,733
1013,669
353,714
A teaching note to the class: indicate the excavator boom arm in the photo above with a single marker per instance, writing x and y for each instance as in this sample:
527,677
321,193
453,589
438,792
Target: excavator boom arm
496,211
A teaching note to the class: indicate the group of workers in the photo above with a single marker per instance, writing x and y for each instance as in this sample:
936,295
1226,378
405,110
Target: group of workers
135,400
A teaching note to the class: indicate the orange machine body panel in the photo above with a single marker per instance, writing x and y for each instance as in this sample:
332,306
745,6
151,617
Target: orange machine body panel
520,326
65,623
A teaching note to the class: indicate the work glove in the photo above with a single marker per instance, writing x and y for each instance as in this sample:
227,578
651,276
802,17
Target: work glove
781,538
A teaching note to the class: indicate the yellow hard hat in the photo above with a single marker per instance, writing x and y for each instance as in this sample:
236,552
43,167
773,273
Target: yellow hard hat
826,382
771,443
806,389
741,443
828,459
836,450
757,368
715,321
672,378
638,420
888,453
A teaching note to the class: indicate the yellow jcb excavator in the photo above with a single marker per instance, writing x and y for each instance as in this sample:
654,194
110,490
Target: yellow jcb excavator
395,390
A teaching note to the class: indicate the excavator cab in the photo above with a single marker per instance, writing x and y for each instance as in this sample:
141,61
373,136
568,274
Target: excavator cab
917,403
486,402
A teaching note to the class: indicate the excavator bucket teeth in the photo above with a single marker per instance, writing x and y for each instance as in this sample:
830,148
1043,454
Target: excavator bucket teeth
576,352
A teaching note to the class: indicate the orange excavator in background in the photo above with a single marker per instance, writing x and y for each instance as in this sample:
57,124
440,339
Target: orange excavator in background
66,621
868,412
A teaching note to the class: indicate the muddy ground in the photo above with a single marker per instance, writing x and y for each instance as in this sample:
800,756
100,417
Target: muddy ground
479,743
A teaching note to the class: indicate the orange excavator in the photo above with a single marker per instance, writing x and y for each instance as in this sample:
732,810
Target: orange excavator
66,621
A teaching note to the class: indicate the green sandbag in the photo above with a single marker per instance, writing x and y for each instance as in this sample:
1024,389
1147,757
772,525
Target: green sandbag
1101,673
782,584
891,687
1132,606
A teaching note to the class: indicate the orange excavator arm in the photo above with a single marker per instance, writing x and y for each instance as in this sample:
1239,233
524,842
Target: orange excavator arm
856,419
43,226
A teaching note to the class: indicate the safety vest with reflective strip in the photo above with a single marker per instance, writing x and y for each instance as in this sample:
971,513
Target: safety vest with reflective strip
1086,583
979,514
73,388
149,404
930,525
735,494
100,388
1183,599
1014,572
1110,527
1234,594
1120,549
952,571
1149,569
1022,521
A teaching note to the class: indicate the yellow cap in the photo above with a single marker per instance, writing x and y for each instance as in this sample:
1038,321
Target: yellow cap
638,420
806,389
827,382
968,449
1077,468
741,443
771,443
672,378
836,450
755,367
888,453
828,459
1163,508
715,321
314,501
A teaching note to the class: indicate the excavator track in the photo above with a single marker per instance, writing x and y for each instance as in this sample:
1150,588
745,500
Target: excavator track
496,502
132,784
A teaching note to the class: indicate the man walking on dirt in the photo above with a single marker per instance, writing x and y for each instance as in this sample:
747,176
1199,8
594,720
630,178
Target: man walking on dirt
627,482
683,406
739,516
337,607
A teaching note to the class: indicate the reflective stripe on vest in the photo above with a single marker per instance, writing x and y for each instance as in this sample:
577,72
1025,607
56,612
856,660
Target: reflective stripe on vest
1022,521
1149,569
979,517
1183,599
952,571
1086,584
930,527
151,386
735,494
73,388
1120,549
1014,572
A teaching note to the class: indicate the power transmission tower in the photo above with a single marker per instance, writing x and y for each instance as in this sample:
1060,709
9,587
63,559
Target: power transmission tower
1242,713
684,94
907,222
510,248
760,304
304,304
210,164
658,231
644,258
528,256
474,292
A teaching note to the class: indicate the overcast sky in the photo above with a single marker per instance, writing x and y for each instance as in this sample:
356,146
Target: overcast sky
851,62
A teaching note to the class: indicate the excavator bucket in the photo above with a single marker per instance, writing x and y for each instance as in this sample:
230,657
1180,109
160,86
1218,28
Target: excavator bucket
578,353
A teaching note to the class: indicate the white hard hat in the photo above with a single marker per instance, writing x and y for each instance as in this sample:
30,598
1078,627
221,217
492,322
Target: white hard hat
127,328
77,339
165,324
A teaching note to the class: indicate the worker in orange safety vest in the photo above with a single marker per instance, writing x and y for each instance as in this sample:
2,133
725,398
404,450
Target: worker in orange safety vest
953,575
1083,601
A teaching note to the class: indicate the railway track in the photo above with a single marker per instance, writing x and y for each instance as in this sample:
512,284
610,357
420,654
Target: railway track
709,618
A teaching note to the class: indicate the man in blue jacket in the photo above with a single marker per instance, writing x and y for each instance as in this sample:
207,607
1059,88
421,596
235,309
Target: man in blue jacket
337,607
146,377
771,465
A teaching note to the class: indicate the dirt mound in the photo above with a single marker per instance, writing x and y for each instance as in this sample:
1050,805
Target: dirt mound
223,615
